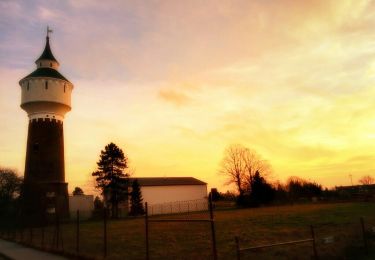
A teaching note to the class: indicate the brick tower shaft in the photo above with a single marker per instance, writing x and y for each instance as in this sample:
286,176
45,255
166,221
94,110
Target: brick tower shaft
44,168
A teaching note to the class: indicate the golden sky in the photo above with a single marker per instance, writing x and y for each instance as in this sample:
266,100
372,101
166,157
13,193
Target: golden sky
175,82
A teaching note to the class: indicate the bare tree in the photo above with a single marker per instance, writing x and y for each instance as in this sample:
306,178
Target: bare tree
367,180
254,163
233,166
240,165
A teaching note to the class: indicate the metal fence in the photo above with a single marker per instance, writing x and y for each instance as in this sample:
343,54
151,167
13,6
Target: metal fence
140,237
322,241
202,206
178,207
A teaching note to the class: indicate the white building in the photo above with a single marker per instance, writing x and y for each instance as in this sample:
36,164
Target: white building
83,203
166,195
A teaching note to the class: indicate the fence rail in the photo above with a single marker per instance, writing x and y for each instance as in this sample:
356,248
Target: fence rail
210,220
178,207
295,242
60,236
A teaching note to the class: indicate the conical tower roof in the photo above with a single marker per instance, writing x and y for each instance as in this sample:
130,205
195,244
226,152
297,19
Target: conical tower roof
46,64
47,53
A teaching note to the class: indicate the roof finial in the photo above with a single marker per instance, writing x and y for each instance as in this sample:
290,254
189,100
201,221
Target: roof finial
48,31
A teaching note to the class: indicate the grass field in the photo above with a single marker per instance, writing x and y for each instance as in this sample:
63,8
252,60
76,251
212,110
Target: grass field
126,239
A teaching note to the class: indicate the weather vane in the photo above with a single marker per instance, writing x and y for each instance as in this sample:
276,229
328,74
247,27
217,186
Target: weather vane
48,31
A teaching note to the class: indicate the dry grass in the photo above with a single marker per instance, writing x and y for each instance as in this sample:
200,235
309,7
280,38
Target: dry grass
126,238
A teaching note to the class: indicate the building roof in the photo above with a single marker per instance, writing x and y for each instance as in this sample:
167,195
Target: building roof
47,53
357,187
45,72
167,181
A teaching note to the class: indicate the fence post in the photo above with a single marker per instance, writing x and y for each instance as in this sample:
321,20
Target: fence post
238,252
42,243
21,234
313,242
31,235
212,226
364,235
56,234
77,232
146,231
105,232
57,231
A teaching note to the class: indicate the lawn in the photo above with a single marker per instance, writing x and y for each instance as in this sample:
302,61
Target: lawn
126,237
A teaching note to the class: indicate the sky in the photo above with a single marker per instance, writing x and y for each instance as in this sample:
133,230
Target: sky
173,83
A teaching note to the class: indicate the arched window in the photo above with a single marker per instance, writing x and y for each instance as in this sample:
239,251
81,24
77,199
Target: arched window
46,84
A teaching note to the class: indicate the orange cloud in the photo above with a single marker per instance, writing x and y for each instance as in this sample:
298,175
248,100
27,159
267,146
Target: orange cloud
175,97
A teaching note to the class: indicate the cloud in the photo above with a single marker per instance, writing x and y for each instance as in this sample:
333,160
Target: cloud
48,14
293,80
174,97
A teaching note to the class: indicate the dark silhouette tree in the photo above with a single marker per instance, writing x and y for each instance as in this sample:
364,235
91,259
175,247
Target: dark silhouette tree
215,194
78,191
10,191
261,191
299,188
136,200
281,193
10,184
367,180
240,165
254,164
110,176
233,166
98,203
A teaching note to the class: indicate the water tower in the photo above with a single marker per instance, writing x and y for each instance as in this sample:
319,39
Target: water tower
46,97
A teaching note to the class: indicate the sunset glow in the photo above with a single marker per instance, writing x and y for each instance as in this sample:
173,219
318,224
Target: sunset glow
175,82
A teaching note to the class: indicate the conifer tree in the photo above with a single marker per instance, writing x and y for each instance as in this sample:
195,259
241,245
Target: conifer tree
136,200
110,176
78,191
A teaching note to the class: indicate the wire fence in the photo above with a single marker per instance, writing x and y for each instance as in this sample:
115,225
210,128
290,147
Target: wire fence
177,207
208,220
202,234
353,239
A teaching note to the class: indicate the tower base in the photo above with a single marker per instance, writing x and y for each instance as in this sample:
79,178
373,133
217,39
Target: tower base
45,194
44,203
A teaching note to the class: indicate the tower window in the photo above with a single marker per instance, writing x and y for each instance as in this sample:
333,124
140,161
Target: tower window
50,64
28,85
64,87
50,194
40,64
46,84
36,147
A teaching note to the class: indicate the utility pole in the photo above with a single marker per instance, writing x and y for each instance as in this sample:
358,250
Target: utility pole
351,179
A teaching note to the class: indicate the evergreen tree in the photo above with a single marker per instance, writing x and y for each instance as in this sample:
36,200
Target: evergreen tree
78,191
261,191
110,176
136,205
98,203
